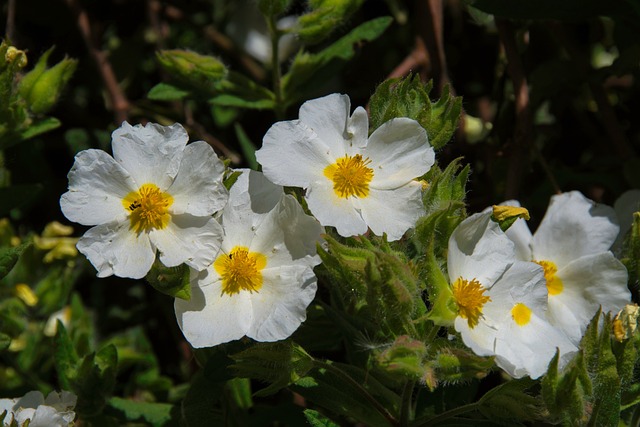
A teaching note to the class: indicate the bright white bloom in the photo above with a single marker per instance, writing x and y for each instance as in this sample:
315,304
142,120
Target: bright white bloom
155,194
54,411
501,302
352,180
262,281
572,245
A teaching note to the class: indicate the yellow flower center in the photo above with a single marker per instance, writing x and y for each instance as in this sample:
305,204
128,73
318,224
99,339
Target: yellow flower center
554,284
240,270
470,298
148,207
350,176
521,314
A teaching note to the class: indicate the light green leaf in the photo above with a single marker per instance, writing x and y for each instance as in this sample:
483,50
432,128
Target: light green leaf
167,92
316,419
155,414
228,100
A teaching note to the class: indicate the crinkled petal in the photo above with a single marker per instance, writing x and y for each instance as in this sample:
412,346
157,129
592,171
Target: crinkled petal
589,283
292,155
327,117
150,153
211,317
479,250
114,249
188,239
198,188
573,226
357,131
97,185
392,211
399,151
335,211
527,350
280,306
480,338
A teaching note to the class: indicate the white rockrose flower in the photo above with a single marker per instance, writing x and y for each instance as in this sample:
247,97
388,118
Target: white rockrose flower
501,302
352,180
156,194
54,411
572,245
262,281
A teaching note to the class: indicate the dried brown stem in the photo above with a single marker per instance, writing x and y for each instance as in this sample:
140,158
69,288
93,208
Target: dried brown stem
119,102
11,19
430,30
522,138
416,60
607,115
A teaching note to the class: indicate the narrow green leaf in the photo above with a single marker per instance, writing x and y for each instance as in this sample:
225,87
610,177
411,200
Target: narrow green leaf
66,357
155,414
324,17
316,419
240,389
248,148
167,92
227,100
10,256
39,127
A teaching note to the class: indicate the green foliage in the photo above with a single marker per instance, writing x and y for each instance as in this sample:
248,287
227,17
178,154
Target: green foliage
324,17
9,257
198,71
172,281
273,8
409,97
153,414
316,419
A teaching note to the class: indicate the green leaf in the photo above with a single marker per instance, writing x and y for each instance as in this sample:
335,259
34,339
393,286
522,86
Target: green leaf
227,100
409,97
509,401
94,380
325,16
172,281
198,71
17,196
10,256
167,92
248,148
316,419
606,382
240,390
239,91
273,8
155,414
309,70
39,127
66,357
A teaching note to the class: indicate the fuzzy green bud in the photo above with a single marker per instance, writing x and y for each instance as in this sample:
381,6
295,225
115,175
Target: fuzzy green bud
13,55
197,70
405,357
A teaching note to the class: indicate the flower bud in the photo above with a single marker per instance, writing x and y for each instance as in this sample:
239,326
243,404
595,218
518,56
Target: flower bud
190,67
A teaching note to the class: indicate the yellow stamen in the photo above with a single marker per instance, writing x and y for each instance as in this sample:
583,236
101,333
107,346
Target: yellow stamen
521,314
148,207
554,284
503,213
350,176
240,270
470,298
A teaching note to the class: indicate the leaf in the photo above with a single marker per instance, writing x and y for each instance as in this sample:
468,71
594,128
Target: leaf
39,127
325,16
17,196
10,256
155,414
248,148
309,70
167,92
509,401
227,100
316,419
172,281
66,357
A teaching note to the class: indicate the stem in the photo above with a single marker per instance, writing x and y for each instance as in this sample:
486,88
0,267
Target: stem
377,405
11,19
275,64
430,421
406,410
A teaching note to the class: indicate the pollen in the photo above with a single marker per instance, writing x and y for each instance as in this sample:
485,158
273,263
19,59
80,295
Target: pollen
554,284
240,270
521,314
148,208
470,298
350,176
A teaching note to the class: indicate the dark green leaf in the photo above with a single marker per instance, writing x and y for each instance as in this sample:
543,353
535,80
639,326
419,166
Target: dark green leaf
167,92
316,419
172,281
248,148
155,414
10,256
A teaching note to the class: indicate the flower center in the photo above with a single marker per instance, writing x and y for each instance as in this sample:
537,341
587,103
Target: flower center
350,176
148,207
521,314
554,284
470,298
240,270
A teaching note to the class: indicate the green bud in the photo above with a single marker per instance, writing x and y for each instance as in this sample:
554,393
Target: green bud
405,357
325,17
507,215
197,70
454,365
16,56
42,86
273,7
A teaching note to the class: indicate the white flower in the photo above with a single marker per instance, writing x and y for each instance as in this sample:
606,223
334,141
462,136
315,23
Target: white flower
54,411
262,281
352,180
501,302
155,193
572,245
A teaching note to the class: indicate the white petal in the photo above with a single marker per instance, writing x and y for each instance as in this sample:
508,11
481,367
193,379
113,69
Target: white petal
292,155
327,118
480,339
399,151
198,188
392,211
521,236
210,317
280,306
479,250
335,211
114,249
589,283
527,350
357,131
188,239
97,185
573,226
150,153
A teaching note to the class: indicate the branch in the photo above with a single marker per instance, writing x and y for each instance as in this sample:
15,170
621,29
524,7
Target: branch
430,31
119,102
416,60
11,20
